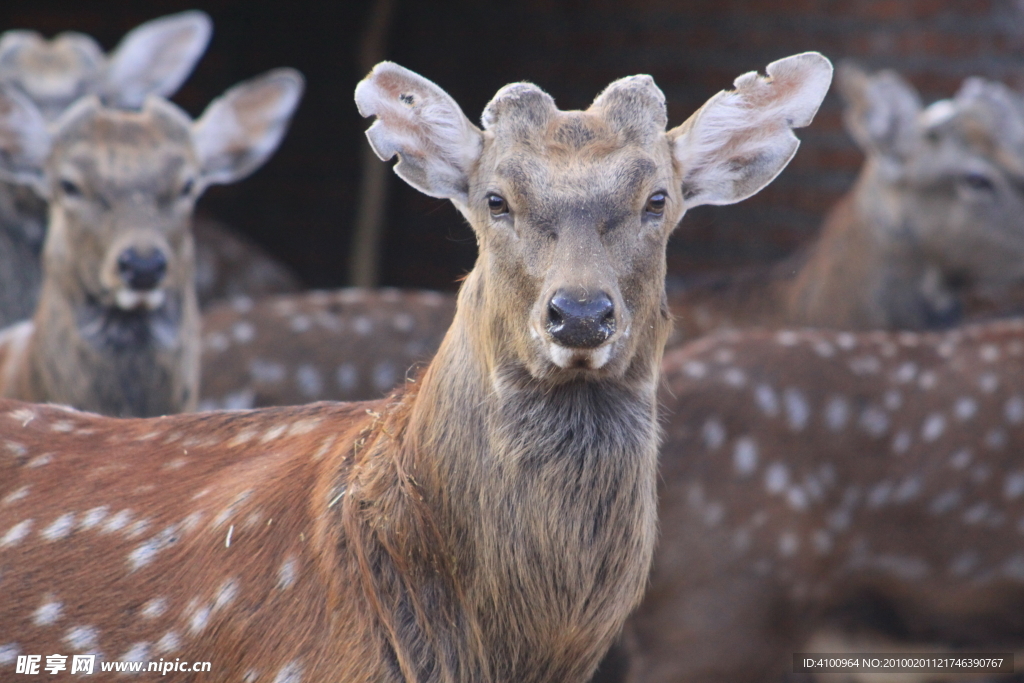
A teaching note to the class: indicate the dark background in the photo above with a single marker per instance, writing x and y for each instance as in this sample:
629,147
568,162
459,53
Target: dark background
303,203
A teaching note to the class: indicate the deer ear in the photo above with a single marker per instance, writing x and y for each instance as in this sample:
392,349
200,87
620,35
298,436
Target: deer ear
881,110
24,141
155,58
241,129
741,139
436,144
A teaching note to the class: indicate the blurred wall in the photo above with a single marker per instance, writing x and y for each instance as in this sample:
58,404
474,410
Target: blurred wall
302,204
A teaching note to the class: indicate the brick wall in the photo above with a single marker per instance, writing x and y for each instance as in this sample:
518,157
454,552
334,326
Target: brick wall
302,204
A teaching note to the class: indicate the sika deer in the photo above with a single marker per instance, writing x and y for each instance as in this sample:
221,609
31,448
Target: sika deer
870,484
117,326
491,521
153,58
930,233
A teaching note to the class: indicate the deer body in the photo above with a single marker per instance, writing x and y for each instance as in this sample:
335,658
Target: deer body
492,521
866,484
116,329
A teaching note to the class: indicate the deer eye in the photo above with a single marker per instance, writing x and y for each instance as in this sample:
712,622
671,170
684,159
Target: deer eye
656,204
979,182
497,205
69,189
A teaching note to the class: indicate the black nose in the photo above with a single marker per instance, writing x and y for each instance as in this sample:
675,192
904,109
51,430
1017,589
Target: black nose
580,319
142,272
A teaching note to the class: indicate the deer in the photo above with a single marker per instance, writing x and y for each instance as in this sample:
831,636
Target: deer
822,489
945,245
492,520
154,58
117,327
929,235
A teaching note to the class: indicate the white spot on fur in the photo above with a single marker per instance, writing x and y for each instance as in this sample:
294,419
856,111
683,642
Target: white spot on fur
965,408
309,381
15,495
60,527
9,653
1014,409
905,373
933,427
961,459
846,341
789,543
47,613
996,439
199,620
928,380
766,400
824,349
837,412
1013,485
385,376
797,498
16,533
908,490
289,673
874,421
798,411
82,638
243,332
169,642
154,608
787,338
300,323
138,652
347,377
865,365
695,369
274,433
40,460
286,573
217,342
989,353
744,456
268,372
117,522
893,400
362,326
145,553
901,442
776,478
714,434
944,502
988,382
734,377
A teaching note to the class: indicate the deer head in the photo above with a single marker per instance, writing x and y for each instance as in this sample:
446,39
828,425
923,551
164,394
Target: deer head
122,186
935,175
572,209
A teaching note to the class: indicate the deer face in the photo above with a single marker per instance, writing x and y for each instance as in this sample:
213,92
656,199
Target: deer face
950,177
122,185
572,210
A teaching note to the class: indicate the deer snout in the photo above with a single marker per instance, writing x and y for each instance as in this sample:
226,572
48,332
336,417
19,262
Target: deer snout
142,271
580,319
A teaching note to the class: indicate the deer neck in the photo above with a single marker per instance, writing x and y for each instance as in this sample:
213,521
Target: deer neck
865,271
549,490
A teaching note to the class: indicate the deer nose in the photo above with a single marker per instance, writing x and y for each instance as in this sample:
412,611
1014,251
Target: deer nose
580,319
142,272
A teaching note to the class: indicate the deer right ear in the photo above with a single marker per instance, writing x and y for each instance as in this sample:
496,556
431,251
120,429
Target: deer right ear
741,139
436,144
155,58
881,111
242,128
24,141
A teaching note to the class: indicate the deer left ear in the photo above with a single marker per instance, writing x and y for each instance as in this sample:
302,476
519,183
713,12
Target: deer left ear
741,139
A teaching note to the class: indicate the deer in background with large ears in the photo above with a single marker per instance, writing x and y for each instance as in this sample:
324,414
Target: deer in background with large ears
154,58
491,521
117,327
930,235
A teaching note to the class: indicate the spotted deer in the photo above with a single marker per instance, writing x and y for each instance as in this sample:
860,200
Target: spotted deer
116,330
492,520
154,58
825,488
929,235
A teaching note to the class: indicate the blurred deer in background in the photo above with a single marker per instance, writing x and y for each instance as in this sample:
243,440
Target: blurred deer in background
931,233
117,326
826,487
492,520
154,58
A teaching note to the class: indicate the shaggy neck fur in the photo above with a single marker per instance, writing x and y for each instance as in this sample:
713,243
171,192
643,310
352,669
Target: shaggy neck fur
114,362
522,513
